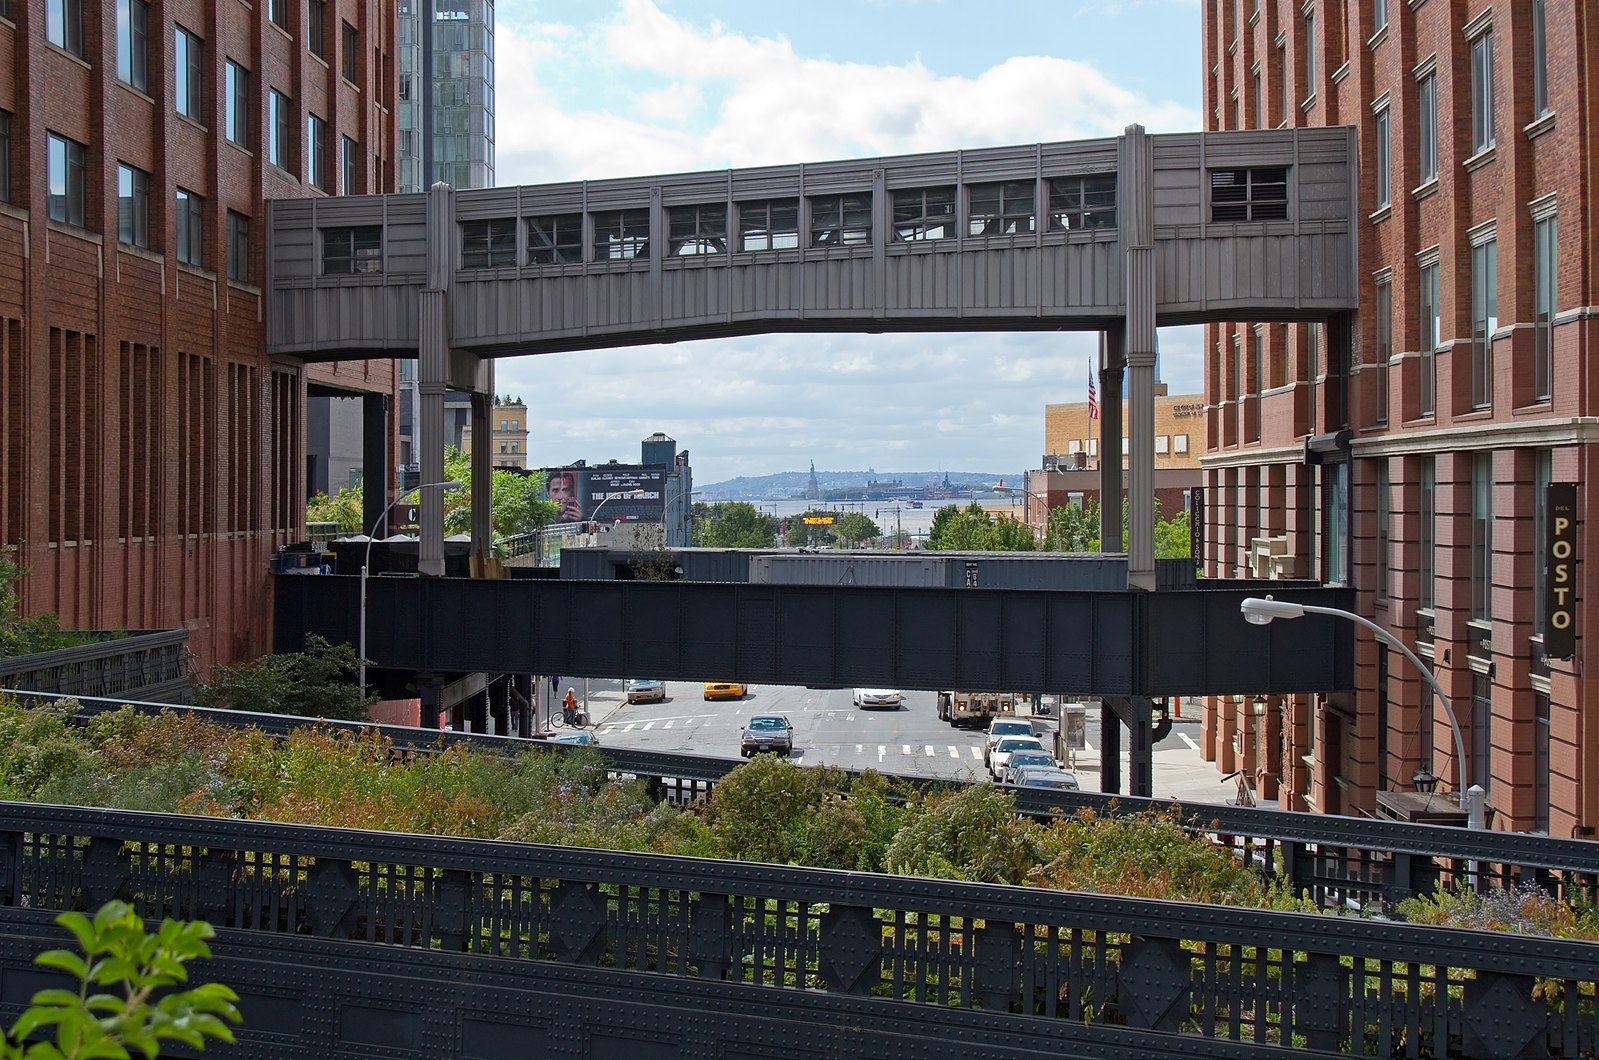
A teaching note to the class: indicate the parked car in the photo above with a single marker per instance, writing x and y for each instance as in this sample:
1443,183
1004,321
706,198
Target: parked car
1000,728
1020,760
766,732
1056,779
586,739
646,690
725,690
999,757
878,697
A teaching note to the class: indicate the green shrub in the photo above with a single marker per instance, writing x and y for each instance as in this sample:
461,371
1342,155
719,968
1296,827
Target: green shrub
971,834
319,682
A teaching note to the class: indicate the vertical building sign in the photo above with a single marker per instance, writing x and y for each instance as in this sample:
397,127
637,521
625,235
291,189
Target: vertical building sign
1196,524
1560,567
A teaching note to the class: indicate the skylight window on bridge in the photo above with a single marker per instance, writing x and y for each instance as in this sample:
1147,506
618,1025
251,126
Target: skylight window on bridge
1082,202
488,244
556,239
1002,209
841,220
696,230
621,235
1249,194
924,213
347,251
769,225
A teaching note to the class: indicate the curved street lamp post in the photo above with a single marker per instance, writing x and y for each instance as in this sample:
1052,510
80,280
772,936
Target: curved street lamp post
366,561
1261,612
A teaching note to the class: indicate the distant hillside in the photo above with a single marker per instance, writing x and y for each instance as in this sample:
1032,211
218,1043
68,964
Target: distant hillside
787,484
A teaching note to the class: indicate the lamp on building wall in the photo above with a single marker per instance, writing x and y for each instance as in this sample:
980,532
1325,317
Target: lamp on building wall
1425,781
366,561
1259,706
1261,612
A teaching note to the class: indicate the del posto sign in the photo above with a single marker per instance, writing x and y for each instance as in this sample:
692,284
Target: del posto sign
1560,571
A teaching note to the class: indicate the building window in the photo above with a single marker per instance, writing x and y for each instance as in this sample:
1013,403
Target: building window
1426,366
1257,372
66,195
1383,311
488,245
1335,525
1427,558
278,129
1380,581
1259,97
1540,763
63,24
841,220
316,135
1482,93
1286,78
1540,60
133,206
1482,716
1482,536
923,213
1002,209
349,166
555,240
769,225
1082,202
133,22
316,21
186,73
1310,53
346,251
1427,134
1380,145
238,247
352,49
236,121
191,228
1542,474
5,156
1484,321
1379,14
1249,194
621,235
278,12
692,230
1544,240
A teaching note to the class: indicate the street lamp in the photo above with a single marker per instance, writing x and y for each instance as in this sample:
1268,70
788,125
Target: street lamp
1261,612
366,561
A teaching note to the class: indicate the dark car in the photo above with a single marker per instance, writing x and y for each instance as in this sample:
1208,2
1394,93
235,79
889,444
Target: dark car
766,732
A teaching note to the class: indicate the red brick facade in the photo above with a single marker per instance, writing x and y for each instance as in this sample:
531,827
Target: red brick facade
1529,723
153,455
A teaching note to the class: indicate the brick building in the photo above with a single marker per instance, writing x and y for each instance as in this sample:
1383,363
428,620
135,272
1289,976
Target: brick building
509,443
152,452
1407,450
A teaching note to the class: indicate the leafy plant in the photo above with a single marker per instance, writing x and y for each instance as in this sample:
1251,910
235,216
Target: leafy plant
319,682
971,834
737,524
35,633
971,529
120,955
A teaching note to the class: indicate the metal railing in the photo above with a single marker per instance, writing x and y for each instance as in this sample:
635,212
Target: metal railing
149,664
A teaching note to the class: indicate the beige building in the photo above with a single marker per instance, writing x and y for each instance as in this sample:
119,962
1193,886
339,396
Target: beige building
510,434
1071,439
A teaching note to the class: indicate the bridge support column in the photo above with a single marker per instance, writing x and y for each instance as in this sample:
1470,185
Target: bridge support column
429,688
375,463
1112,361
482,470
522,701
1110,747
1135,211
433,346
1140,747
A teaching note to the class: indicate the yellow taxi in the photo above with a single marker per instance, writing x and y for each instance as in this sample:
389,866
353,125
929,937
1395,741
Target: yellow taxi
725,690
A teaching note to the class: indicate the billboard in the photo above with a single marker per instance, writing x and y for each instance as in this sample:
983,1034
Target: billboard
579,493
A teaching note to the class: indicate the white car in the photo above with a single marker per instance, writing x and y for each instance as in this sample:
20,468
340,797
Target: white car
999,757
1000,728
878,697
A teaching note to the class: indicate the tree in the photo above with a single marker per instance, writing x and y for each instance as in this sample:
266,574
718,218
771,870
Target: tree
852,528
971,529
1075,528
319,682
736,524
346,508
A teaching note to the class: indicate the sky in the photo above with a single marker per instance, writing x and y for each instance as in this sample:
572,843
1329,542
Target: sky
589,89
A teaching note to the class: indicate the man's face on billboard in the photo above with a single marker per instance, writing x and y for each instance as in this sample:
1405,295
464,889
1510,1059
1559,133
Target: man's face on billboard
561,491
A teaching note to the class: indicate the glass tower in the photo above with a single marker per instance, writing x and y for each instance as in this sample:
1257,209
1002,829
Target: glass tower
446,93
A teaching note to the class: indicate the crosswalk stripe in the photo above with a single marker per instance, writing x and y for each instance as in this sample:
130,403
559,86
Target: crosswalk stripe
1191,744
977,753
881,751
668,725
928,750
648,726
954,752
858,748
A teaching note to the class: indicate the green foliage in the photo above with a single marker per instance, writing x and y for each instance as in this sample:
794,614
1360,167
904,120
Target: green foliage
319,682
736,524
652,561
347,508
800,534
1075,528
1523,910
123,1002
972,834
971,529
517,504
772,810
852,528
38,747
35,633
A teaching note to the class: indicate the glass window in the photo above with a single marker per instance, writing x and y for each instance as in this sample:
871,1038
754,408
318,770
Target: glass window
1383,311
922,214
1335,528
1426,386
349,166
63,24
1310,53
1082,202
769,225
278,129
1287,81
1540,763
236,121
186,73
1540,60
1427,135
1249,194
1482,92
841,220
66,196
352,50
346,251
1482,536
1544,240
1379,14
1380,545
316,19
694,230
133,22
621,235
1003,209
1427,559
555,240
316,138
5,156
1380,145
1260,99
1484,321
133,206
191,228
278,12
238,247
488,245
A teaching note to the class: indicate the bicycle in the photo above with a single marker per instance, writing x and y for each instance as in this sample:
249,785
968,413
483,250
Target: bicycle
1246,794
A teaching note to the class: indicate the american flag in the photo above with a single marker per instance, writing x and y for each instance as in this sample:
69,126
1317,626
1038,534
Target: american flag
1093,394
